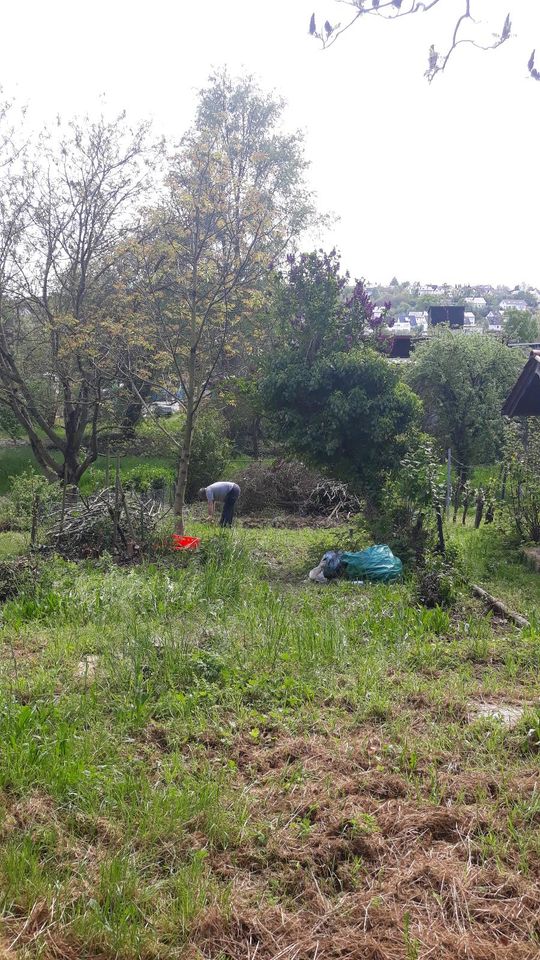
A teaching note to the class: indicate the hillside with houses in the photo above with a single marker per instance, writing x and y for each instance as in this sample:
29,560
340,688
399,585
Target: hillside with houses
487,309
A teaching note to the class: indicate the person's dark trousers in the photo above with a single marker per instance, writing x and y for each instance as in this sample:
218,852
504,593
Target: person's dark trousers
229,503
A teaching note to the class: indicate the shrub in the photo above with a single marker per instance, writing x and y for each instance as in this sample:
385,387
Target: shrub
24,489
210,452
410,511
522,458
9,423
210,448
147,478
438,578
17,576
347,413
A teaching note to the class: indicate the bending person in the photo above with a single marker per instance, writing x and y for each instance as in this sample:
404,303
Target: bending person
226,492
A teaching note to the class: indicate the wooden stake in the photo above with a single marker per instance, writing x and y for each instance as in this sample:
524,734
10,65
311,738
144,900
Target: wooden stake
35,515
500,607
116,512
448,481
63,512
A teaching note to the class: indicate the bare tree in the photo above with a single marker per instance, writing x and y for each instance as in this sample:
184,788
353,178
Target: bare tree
62,225
397,9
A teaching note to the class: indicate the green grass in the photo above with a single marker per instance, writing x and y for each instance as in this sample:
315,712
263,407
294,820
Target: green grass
494,562
196,749
17,460
12,544
13,461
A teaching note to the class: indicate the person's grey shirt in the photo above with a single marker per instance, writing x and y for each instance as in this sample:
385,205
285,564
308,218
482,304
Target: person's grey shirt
218,491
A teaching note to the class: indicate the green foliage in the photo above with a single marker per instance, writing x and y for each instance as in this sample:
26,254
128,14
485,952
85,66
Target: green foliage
13,461
463,381
490,556
16,575
210,448
347,412
9,423
27,488
147,478
411,503
210,452
242,411
522,460
521,326
438,578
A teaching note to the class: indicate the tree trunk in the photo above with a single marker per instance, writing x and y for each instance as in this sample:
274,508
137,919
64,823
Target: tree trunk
255,434
440,529
480,501
183,465
457,494
182,475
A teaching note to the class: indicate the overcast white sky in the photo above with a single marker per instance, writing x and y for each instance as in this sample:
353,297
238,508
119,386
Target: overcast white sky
436,183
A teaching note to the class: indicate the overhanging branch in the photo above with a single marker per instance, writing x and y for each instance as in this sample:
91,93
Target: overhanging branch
397,9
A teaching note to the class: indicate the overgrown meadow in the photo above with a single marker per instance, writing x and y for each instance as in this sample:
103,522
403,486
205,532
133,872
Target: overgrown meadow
211,757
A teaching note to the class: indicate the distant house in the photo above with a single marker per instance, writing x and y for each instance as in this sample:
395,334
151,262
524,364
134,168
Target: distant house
469,323
524,399
418,319
513,305
401,325
495,321
479,303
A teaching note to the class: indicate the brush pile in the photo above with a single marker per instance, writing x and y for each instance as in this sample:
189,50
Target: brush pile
116,522
291,487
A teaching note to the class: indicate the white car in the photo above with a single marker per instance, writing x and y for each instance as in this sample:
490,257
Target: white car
164,408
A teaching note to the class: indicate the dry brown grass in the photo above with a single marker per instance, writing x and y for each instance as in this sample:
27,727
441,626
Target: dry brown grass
371,873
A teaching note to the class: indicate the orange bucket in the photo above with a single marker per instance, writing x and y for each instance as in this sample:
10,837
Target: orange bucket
185,543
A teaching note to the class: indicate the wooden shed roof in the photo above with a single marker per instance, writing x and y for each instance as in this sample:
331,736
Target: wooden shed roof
524,398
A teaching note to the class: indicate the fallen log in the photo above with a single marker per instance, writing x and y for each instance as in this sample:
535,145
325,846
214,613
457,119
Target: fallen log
499,607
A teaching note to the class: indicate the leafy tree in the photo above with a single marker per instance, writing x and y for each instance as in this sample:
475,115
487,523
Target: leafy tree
318,312
234,199
62,223
521,326
333,398
397,9
463,381
346,412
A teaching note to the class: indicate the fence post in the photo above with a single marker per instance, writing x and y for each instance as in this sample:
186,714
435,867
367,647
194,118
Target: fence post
116,501
35,516
503,482
448,481
64,491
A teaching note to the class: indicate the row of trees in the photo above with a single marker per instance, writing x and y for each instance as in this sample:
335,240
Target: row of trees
335,397
127,266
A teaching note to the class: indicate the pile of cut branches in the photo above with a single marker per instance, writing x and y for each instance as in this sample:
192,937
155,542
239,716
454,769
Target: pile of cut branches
112,520
291,487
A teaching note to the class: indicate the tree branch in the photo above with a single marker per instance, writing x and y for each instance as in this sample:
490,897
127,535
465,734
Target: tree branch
395,10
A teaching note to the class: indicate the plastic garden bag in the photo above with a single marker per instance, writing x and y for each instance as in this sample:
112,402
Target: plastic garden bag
376,563
331,564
